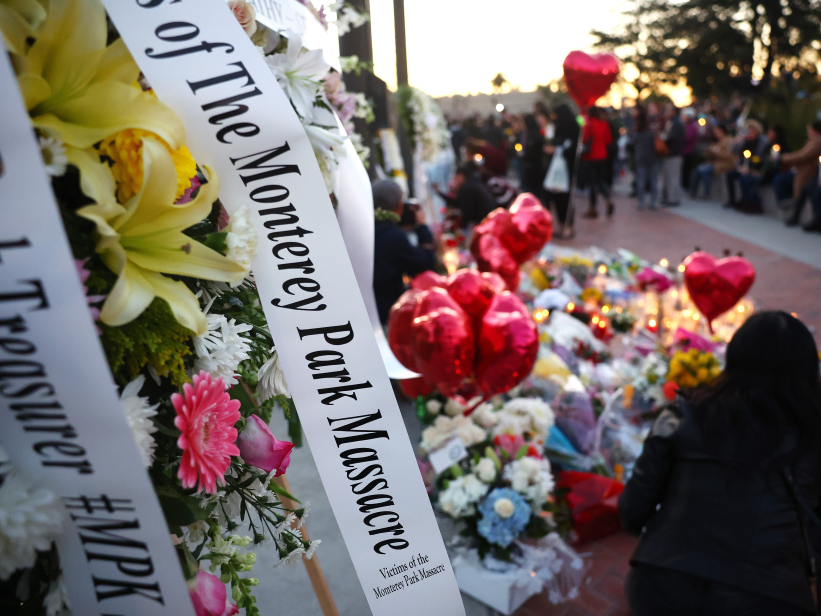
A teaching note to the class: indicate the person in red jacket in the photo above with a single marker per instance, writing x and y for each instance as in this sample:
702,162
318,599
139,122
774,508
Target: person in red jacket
597,138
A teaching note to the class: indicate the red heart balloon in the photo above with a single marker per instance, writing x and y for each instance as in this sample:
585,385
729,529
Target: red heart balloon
507,347
400,320
428,280
496,223
495,281
492,256
443,341
472,292
589,77
531,227
413,388
716,285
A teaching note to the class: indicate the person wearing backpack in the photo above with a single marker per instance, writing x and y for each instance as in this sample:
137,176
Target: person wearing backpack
725,493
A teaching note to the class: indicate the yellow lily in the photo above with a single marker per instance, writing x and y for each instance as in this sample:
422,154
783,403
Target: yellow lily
144,239
72,82
18,21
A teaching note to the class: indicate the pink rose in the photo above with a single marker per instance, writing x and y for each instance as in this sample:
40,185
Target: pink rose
246,15
209,596
260,448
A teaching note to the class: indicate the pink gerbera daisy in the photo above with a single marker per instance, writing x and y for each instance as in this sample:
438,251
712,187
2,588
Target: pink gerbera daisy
206,416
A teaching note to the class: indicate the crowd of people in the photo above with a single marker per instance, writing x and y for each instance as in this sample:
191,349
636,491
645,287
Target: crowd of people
668,150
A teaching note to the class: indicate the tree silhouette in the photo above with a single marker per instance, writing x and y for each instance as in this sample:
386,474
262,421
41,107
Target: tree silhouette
498,82
716,46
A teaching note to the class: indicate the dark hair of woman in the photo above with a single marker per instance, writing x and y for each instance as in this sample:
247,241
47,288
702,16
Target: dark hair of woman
765,408
532,126
594,112
564,116
641,119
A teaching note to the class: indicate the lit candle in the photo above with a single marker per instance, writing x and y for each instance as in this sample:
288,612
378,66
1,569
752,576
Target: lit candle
747,155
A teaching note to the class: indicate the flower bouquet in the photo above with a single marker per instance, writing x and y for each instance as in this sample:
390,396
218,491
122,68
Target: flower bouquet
168,283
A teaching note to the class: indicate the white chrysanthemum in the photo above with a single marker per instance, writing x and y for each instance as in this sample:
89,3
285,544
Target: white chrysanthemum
56,601
271,379
242,240
299,73
445,427
54,156
531,478
485,470
221,349
433,406
453,407
460,497
312,548
525,415
30,519
485,416
138,412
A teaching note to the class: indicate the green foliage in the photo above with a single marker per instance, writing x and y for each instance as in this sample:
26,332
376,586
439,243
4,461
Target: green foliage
154,339
715,44
403,97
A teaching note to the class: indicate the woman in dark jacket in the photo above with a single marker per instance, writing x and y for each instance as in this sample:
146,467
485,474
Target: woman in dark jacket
721,491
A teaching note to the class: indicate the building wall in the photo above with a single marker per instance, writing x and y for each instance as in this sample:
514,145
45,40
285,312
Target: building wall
514,101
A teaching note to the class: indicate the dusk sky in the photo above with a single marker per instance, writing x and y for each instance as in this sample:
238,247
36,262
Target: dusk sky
457,46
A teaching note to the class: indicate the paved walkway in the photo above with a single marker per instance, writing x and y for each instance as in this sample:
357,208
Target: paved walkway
788,265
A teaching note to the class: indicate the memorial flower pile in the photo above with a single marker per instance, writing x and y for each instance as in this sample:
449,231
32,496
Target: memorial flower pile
167,276
500,491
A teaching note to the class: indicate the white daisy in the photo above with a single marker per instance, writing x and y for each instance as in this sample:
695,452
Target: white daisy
221,349
30,519
138,413
271,379
312,548
292,558
54,155
242,240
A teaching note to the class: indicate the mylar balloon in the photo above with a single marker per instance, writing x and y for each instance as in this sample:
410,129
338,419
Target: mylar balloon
472,292
443,341
399,328
413,388
492,256
531,227
496,223
428,280
507,347
716,285
495,281
589,77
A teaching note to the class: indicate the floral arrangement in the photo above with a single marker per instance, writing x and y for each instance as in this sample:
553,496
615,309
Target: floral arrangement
501,491
166,272
423,122
693,368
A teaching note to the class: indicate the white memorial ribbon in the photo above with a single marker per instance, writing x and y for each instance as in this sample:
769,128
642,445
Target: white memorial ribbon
61,421
238,121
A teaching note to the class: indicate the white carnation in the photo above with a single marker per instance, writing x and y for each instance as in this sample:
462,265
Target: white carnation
30,519
454,408
271,379
221,349
433,406
138,412
531,477
242,240
445,427
461,496
522,415
485,470
485,416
